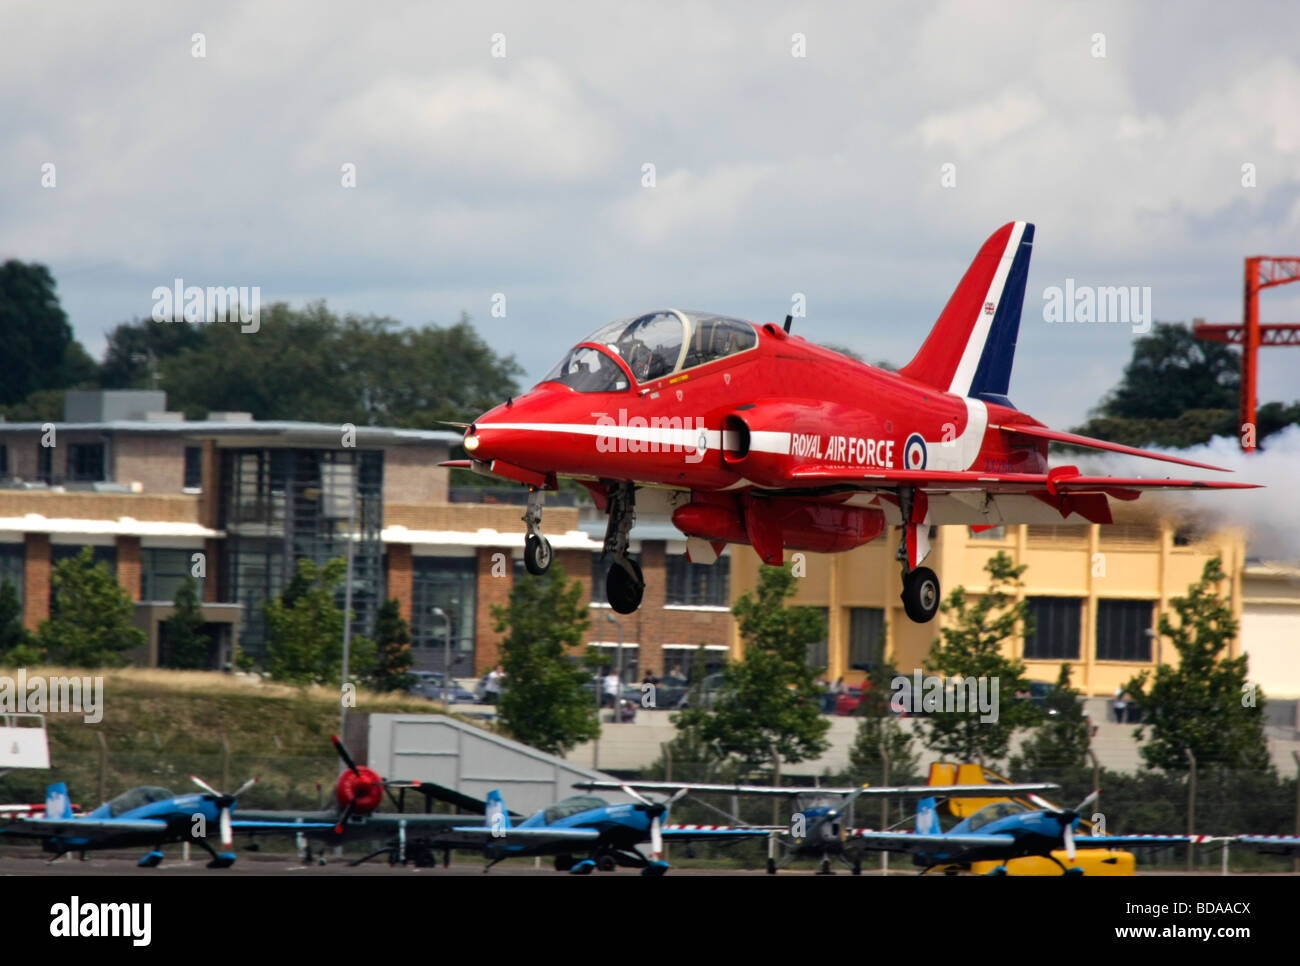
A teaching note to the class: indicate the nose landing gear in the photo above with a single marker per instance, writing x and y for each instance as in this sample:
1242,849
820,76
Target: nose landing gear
537,549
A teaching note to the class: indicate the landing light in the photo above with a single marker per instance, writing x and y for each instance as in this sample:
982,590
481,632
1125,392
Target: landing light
471,443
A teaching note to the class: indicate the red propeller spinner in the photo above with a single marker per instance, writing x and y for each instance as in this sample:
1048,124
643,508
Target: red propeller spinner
359,790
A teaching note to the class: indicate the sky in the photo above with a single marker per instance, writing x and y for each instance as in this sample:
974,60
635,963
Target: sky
797,149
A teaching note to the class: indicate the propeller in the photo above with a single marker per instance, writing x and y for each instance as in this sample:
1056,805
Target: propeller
359,789
656,812
1067,817
224,802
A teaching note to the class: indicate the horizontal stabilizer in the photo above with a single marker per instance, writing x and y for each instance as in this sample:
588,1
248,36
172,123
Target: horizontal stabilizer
1074,439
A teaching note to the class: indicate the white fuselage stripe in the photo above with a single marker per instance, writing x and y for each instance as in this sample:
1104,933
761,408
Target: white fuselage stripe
686,437
970,357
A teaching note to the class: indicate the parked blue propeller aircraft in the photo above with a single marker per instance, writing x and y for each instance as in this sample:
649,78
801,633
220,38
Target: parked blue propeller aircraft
144,816
822,830
610,835
1003,831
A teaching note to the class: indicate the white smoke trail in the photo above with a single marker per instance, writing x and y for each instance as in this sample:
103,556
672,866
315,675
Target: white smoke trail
1270,515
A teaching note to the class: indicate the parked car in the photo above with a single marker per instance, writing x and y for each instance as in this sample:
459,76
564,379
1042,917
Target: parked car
846,703
709,687
428,684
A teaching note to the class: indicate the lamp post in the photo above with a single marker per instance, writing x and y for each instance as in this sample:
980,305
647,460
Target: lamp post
446,653
618,665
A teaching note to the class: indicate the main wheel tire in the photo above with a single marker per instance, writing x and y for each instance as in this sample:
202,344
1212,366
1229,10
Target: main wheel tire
623,590
771,866
606,863
921,595
537,554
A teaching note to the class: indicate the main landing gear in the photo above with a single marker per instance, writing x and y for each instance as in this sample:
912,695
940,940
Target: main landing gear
624,585
537,549
920,585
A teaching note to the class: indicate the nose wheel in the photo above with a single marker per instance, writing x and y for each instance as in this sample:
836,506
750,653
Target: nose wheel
624,586
537,549
537,554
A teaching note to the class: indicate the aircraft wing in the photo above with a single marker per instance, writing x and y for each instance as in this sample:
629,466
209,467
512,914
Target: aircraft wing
477,836
948,481
939,791
1272,844
89,827
938,844
246,825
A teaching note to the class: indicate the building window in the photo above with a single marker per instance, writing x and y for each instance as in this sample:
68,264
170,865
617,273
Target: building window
163,571
193,467
45,464
694,584
448,583
102,555
13,566
86,462
599,568
1124,630
4,461
1057,624
866,636
818,651
693,663
991,533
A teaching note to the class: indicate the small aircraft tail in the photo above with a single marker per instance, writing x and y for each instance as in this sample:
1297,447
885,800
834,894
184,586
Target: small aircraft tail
57,802
970,349
496,816
927,818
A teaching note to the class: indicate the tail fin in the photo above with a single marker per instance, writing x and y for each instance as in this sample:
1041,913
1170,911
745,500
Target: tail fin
927,818
970,349
57,802
496,816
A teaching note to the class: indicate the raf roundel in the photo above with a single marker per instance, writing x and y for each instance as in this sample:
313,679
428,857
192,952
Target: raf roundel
914,454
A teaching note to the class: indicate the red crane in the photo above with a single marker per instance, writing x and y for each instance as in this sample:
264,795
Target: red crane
1262,271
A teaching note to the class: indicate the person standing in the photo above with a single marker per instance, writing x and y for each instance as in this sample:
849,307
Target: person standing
612,688
492,689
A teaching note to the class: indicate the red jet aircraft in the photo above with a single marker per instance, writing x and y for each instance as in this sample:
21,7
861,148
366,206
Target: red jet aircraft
747,434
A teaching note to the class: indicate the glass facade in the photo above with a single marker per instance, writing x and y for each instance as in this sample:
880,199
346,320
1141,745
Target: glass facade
163,571
282,505
448,583
1057,625
1124,630
866,636
13,565
694,584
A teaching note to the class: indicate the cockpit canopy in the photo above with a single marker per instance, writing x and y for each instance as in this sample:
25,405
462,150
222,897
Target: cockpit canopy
653,346
572,805
993,812
138,798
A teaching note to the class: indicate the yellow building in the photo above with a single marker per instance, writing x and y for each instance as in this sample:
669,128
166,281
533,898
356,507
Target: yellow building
1096,594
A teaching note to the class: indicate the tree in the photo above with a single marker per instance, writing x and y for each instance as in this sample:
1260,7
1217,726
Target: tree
543,703
90,616
1205,703
35,332
767,709
186,644
392,649
1062,740
17,645
880,727
135,349
304,638
1172,371
971,647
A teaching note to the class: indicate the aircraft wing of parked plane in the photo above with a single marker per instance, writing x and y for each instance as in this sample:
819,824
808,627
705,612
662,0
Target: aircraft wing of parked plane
940,791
